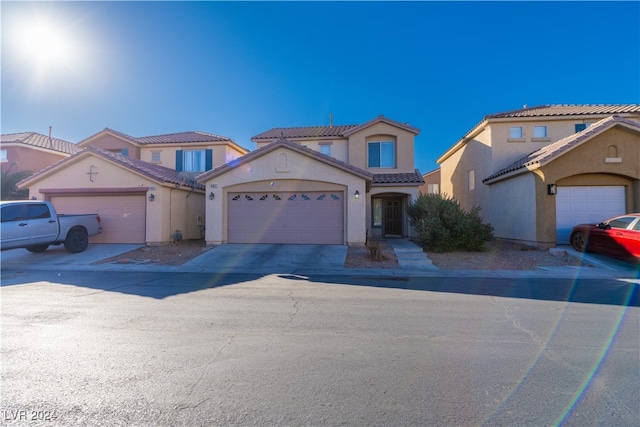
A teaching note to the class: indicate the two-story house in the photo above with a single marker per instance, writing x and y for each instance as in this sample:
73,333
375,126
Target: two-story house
142,187
29,152
536,172
316,185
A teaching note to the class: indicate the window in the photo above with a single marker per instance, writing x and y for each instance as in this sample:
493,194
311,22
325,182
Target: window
636,226
38,211
325,149
382,154
515,132
622,222
3,155
471,180
581,126
155,156
433,188
377,212
194,160
539,131
12,213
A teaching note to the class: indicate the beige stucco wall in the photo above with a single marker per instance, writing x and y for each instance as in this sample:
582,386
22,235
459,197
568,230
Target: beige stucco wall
295,172
433,177
383,132
339,146
170,210
30,159
476,156
221,153
110,142
587,165
511,209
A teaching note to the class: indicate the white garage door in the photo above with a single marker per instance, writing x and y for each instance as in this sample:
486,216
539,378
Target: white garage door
577,205
123,218
286,218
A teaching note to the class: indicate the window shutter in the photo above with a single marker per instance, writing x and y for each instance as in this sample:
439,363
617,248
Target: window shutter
208,162
179,160
124,152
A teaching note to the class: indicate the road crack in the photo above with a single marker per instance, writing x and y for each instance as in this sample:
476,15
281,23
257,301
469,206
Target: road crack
182,406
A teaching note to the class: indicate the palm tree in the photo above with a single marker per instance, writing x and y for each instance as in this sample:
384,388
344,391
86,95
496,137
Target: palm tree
9,181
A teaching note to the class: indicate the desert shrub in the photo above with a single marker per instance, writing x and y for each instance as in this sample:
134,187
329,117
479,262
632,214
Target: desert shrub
375,251
443,225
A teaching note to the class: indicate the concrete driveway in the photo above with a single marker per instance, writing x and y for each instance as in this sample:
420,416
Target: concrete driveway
224,258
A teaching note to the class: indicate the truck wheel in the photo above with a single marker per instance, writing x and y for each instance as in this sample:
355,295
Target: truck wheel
36,249
77,241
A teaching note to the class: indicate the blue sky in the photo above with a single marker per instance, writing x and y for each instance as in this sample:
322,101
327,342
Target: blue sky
240,68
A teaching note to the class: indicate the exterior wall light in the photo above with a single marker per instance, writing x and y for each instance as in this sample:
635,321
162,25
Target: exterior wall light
211,196
552,189
152,197
357,194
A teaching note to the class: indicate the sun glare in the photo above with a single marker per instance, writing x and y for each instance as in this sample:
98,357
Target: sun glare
45,45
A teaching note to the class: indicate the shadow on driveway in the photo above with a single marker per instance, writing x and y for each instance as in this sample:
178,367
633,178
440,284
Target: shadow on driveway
160,285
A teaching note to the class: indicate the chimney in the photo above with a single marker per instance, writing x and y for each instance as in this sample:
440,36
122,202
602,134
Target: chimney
50,141
330,120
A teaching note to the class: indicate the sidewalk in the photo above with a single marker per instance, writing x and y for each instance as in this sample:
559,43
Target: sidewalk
300,260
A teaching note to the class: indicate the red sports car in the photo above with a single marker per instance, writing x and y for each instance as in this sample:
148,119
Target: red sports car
618,237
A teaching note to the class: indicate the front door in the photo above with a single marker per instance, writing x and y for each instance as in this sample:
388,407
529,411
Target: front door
393,217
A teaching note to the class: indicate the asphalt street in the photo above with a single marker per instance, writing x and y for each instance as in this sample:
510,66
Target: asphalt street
184,348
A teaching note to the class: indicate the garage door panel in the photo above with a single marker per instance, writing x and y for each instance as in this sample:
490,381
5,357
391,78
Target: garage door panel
123,217
301,217
586,204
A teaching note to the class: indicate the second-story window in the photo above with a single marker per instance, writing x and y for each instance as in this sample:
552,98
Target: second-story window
155,156
325,149
381,154
539,131
194,160
3,155
515,132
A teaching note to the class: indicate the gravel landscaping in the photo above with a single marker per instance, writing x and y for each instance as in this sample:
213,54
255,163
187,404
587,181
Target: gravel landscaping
498,255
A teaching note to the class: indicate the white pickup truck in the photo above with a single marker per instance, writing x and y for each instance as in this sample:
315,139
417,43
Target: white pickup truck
35,225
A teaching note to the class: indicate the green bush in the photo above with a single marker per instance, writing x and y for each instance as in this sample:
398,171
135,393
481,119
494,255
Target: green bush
443,225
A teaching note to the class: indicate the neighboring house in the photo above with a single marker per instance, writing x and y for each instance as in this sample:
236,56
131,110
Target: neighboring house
536,172
143,188
31,151
316,185
431,182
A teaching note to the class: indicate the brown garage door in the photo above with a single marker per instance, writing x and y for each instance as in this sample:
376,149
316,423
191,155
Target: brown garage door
291,218
123,218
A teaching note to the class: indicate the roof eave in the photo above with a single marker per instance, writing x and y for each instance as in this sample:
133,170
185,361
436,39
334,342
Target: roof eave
511,174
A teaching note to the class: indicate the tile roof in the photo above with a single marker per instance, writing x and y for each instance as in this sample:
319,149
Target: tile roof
150,170
327,131
398,178
192,136
551,110
552,151
171,138
35,139
304,132
283,142
568,110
